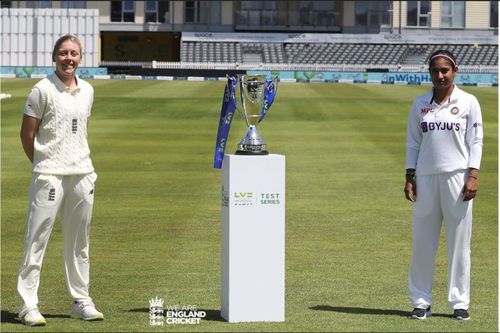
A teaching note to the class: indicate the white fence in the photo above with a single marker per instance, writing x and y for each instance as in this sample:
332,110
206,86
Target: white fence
28,35
290,67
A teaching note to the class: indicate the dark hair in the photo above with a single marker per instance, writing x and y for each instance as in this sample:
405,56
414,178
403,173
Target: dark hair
61,40
443,54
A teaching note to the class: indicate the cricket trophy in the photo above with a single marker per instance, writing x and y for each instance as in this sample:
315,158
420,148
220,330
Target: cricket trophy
256,95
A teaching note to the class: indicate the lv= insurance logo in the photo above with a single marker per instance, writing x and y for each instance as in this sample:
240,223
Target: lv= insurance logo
251,198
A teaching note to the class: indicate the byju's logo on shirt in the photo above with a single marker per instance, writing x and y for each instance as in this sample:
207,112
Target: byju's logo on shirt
439,126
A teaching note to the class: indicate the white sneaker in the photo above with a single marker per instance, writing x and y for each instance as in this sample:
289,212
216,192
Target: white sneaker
33,318
85,310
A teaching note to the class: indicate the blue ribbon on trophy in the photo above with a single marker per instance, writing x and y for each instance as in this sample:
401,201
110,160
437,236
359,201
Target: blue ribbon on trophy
269,94
226,116
229,106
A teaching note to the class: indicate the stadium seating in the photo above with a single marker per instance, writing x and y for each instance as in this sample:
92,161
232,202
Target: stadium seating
332,54
211,52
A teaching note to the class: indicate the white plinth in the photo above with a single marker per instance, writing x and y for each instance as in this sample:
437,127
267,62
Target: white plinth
253,238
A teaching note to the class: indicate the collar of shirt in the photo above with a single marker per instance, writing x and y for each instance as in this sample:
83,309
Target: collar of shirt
453,93
62,87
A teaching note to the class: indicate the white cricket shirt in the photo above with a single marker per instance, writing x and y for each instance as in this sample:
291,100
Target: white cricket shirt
444,138
61,146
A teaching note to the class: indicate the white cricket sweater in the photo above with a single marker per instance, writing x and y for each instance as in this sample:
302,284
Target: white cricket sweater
444,138
61,146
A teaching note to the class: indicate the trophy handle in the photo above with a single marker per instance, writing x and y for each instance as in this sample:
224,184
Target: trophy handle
275,83
234,93
239,92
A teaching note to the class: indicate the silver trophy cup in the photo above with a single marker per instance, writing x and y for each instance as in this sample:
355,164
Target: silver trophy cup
251,92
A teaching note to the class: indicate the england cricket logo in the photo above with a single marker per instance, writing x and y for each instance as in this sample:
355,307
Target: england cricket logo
156,313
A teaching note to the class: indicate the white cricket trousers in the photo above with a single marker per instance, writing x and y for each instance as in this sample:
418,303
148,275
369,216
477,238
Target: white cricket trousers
72,197
440,199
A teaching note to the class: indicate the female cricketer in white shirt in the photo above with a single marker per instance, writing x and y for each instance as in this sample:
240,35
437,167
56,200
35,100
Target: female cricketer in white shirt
443,156
54,137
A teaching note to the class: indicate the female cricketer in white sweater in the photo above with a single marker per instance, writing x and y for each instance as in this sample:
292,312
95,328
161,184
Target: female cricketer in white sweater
54,137
443,155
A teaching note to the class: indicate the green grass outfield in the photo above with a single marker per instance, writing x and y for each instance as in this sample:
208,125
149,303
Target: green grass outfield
156,226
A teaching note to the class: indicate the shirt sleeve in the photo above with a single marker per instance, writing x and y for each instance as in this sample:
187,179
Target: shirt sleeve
91,100
474,135
34,105
413,139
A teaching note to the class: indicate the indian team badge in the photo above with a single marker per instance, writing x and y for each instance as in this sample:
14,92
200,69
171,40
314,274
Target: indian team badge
454,110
